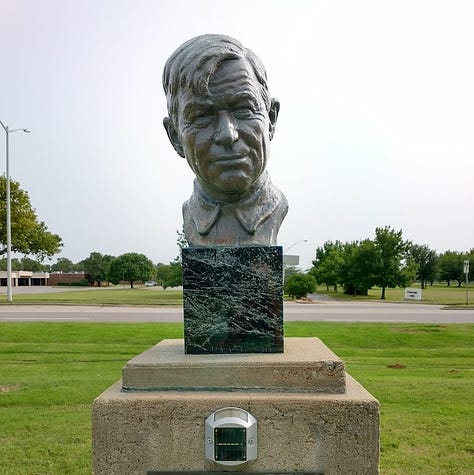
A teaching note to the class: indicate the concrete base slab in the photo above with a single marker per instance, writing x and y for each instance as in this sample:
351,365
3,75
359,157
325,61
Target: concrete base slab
307,365
152,431
137,433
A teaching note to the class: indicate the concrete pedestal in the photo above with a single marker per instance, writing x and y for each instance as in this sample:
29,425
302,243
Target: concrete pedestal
312,417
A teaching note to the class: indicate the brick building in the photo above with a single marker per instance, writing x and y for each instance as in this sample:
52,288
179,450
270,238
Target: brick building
24,278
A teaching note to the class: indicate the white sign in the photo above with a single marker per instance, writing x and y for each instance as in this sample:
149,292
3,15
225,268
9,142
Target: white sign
412,294
290,260
466,267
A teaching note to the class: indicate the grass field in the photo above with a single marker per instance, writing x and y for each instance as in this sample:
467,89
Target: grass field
436,294
423,376
113,296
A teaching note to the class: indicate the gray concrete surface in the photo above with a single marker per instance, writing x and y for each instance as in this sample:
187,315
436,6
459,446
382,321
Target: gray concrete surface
143,431
306,365
329,311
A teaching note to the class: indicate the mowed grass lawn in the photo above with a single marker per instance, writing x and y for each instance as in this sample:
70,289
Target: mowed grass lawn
436,294
152,296
423,376
102,296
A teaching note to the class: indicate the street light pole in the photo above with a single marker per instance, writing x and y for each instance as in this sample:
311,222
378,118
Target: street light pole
294,244
9,220
9,223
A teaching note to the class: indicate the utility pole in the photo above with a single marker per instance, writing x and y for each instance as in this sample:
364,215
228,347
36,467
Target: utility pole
9,131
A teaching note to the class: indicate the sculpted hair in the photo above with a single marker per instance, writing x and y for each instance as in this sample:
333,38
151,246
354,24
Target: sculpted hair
194,62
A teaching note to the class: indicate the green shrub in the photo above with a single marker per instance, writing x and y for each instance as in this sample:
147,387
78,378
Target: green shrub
299,285
81,283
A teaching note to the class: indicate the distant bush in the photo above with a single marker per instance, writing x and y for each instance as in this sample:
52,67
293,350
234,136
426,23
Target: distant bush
299,285
81,283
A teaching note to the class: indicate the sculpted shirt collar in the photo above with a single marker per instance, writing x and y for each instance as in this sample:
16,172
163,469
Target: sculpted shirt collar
250,212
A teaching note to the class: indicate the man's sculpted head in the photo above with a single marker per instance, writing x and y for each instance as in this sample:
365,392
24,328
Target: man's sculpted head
193,64
221,118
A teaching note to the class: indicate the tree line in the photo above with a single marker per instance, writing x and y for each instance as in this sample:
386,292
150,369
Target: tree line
387,261
31,237
102,269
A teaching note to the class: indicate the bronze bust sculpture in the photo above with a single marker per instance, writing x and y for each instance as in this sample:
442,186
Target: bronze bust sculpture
221,119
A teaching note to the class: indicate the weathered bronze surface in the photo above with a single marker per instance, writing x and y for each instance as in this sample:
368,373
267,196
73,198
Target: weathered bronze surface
221,119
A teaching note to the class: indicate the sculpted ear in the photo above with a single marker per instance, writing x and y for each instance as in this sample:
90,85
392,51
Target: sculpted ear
173,136
273,114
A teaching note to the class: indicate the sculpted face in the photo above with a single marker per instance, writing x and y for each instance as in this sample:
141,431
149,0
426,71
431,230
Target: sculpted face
225,136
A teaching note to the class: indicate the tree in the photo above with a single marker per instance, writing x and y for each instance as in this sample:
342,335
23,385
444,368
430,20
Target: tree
25,263
357,272
63,264
97,267
29,235
470,258
426,262
16,264
32,265
327,264
299,285
451,267
288,271
391,266
169,275
181,242
78,267
131,267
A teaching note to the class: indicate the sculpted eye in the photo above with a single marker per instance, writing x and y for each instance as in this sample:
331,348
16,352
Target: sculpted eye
199,117
244,113
202,118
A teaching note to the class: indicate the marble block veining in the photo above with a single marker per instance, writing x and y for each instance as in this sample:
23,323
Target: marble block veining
233,299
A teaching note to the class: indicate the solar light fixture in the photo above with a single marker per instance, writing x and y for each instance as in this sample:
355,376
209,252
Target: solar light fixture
231,437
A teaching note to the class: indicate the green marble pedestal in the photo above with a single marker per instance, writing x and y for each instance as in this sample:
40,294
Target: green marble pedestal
233,299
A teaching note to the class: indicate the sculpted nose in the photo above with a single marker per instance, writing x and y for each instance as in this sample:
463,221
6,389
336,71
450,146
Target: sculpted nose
226,132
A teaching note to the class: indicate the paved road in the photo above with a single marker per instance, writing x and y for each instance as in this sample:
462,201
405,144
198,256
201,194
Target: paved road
328,311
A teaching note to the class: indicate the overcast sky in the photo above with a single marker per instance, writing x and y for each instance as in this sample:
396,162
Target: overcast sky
376,124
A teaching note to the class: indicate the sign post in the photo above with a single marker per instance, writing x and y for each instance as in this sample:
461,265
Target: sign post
466,271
